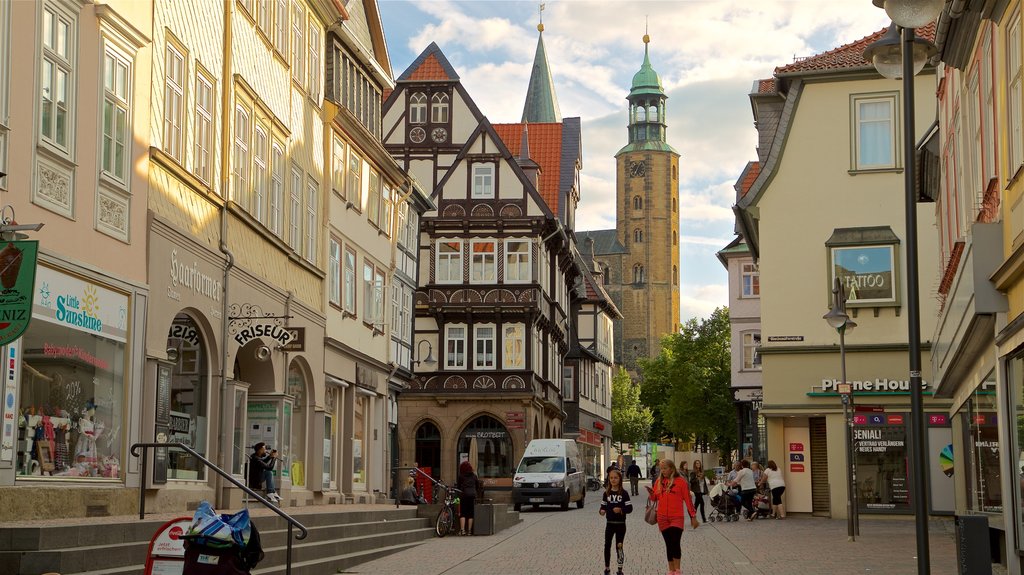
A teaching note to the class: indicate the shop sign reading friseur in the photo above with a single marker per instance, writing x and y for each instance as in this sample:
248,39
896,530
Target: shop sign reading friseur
17,278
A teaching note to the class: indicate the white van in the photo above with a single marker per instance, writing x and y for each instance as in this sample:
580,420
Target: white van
549,474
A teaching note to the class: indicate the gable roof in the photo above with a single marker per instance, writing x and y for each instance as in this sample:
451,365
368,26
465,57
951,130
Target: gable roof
430,65
746,180
545,141
591,291
606,242
846,57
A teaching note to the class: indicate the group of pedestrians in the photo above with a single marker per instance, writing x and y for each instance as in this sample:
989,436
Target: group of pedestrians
678,493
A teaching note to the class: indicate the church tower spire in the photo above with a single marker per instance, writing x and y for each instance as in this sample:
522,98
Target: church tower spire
647,127
541,102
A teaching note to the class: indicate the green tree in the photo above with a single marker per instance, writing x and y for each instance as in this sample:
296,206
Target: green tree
631,421
687,386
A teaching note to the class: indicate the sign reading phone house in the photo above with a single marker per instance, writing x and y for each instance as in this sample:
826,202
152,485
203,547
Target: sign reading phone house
880,384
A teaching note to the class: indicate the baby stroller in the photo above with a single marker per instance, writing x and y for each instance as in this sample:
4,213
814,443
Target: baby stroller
762,504
221,544
725,504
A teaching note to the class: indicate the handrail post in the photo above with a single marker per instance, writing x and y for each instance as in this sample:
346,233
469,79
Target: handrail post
142,483
288,553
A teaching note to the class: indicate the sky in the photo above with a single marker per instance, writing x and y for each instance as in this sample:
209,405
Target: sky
708,53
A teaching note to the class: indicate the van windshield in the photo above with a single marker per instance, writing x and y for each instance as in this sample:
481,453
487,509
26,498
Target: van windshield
547,464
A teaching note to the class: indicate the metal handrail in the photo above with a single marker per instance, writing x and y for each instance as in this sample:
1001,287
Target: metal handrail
292,522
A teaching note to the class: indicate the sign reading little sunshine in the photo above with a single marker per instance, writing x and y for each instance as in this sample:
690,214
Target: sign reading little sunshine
17,284
867,273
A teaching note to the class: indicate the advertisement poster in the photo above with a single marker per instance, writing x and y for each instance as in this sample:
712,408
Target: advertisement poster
17,280
881,452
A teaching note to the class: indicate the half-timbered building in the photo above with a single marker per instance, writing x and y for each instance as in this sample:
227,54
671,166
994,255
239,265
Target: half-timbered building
495,284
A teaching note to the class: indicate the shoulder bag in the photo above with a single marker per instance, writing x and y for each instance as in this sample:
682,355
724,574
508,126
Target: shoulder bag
651,513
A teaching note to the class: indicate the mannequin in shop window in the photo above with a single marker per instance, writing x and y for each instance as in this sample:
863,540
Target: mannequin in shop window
89,431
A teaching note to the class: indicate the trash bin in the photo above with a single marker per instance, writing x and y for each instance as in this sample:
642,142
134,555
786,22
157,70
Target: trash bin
483,523
973,550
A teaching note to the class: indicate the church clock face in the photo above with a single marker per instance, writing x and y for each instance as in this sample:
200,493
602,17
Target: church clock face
439,135
417,135
637,169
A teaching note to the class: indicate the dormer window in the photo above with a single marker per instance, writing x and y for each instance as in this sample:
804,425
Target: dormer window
439,108
483,181
418,108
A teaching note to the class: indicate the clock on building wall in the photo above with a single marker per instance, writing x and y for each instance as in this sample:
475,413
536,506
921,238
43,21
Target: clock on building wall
637,169
439,135
417,135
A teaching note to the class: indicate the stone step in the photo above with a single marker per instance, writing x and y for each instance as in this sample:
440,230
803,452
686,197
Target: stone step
277,537
335,563
307,550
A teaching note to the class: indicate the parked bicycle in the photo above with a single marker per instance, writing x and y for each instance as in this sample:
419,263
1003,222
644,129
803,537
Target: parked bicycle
446,518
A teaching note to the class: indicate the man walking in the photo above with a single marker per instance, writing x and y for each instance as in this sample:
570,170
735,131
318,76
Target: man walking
655,471
633,474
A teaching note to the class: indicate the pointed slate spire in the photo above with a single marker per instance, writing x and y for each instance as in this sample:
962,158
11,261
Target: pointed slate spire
541,103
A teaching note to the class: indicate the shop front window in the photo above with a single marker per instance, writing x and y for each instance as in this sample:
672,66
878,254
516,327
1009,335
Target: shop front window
485,442
881,452
238,454
981,438
296,389
1015,381
189,408
358,446
71,402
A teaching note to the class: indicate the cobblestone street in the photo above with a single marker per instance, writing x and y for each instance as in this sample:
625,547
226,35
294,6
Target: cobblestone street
550,542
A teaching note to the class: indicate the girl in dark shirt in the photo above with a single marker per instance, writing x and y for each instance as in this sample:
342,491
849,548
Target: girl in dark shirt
615,505
470,486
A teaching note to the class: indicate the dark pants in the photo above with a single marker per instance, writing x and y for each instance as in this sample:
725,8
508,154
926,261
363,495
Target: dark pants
672,536
699,504
467,507
619,531
777,495
634,484
747,499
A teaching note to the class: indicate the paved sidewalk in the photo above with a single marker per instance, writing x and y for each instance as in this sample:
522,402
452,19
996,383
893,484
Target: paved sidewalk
570,543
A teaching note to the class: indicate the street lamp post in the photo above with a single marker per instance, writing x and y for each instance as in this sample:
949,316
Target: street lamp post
838,319
914,53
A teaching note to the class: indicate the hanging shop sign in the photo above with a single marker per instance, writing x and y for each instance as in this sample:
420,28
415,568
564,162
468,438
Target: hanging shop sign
17,278
297,341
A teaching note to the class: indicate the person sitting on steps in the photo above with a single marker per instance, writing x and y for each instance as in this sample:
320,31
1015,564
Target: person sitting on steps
261,471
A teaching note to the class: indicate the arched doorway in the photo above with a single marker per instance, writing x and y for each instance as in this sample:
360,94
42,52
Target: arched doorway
488,446
296,458
428,447
190,398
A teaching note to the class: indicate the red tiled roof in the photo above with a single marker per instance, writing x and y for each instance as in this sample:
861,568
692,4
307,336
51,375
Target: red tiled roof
591,291
766,86
545,149
430,69
846,56
755,169
386,94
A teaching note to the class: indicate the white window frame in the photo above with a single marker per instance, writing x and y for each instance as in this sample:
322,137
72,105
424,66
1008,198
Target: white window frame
354,180
380,284
857,101
204,114
368,289
988,111
1015,97
407,314
439,108
338,160
511,334
373,198
263,16
401,222
412,227
386,210
751,342
348,269
313,70
298,42
260,143
295,210
312,213
484,337
275,208
454,275
334,272
749,270
418,108
455,346
483,265
483,181
396,309
514,261
175,72
281,27
242,160
119,100
62,58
